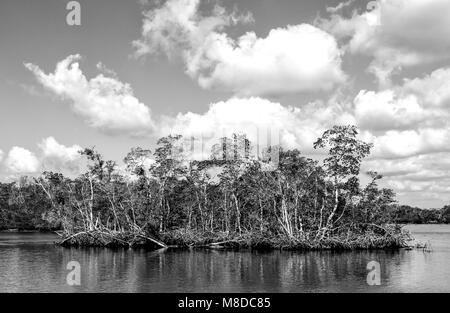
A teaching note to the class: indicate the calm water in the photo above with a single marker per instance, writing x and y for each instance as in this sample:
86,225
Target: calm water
31,263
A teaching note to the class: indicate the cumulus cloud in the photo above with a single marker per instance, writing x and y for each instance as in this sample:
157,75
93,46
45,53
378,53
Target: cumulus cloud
386,110
409,119
409,125
179,24
59,158
434,88
258,118
51,156
21,161
400,144
293,59
396,33
104,102
418,180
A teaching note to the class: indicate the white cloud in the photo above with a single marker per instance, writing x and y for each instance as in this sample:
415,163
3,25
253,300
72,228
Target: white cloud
1,156
22,161
434,88
421,180
51,156
400,144
177,26
255,117
293,59
410,119
396,33
409,125
386,111
59,158
426,167
105,102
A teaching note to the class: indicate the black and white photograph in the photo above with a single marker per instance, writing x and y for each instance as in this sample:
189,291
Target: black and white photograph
224,151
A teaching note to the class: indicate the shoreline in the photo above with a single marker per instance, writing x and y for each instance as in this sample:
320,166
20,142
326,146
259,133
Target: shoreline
253,241
16,230
388,238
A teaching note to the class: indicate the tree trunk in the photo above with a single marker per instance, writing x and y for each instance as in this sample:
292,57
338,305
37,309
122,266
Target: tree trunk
238,213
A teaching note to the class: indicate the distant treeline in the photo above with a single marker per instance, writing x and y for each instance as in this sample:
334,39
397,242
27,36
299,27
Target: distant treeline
232,198
405,214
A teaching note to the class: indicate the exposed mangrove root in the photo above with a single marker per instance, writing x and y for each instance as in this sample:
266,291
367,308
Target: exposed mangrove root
106,238
372,237
379,238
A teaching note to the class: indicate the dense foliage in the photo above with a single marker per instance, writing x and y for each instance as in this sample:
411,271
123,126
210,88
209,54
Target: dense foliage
231,197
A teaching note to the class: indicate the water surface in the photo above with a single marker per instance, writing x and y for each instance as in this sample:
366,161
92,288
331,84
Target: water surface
29,262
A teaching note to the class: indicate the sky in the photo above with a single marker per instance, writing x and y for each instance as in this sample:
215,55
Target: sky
135,71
